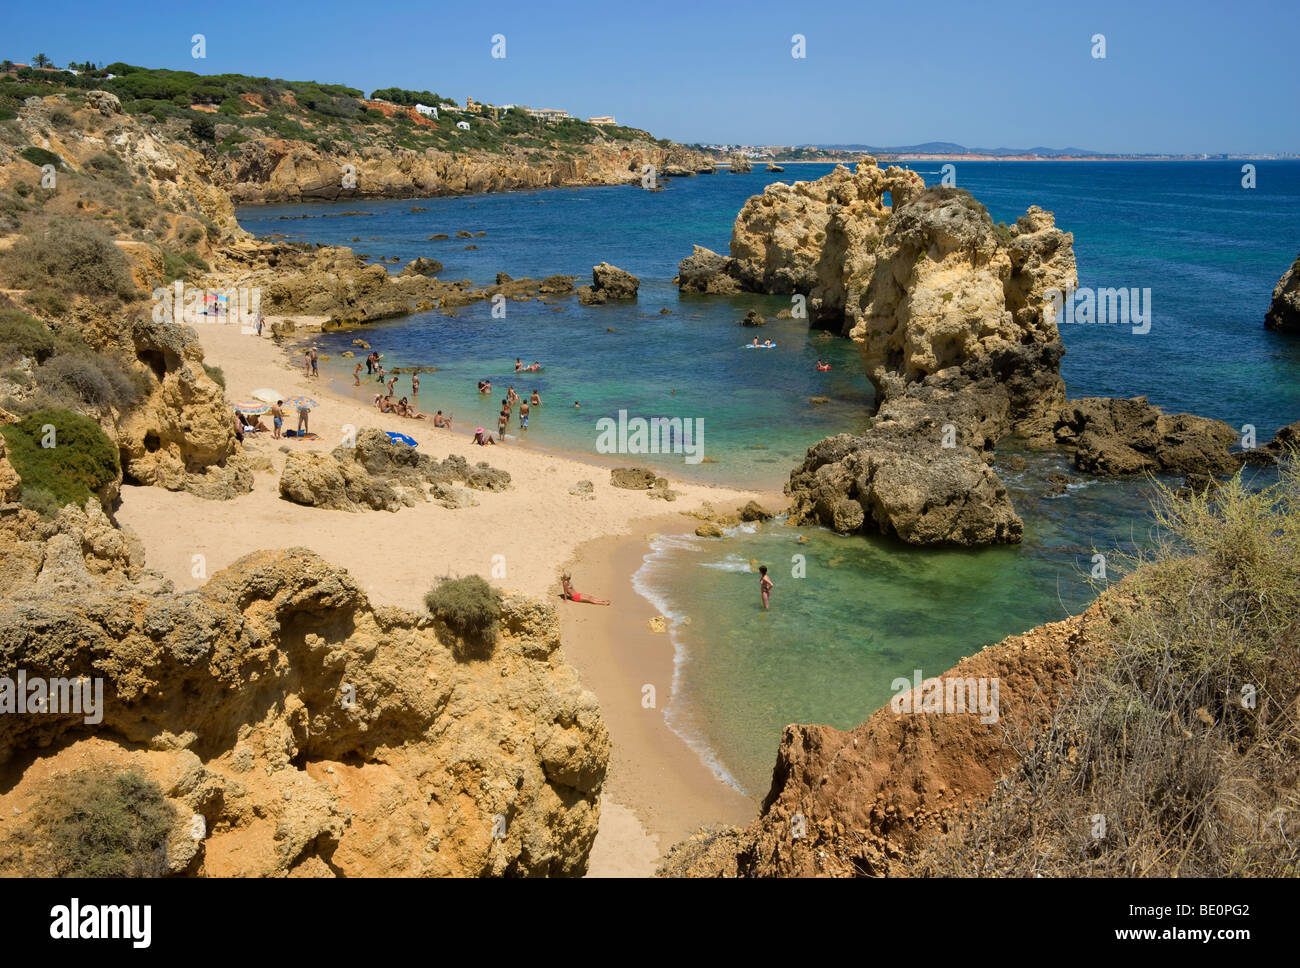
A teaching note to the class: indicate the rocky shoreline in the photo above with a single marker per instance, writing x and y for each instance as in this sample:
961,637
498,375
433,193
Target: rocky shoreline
956,330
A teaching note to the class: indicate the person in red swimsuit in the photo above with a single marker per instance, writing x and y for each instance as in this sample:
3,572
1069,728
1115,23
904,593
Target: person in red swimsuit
573,596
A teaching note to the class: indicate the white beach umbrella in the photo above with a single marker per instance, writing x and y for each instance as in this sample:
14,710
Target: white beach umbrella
269,396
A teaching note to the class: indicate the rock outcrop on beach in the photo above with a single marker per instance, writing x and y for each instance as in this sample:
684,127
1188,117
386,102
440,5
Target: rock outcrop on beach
739,164
1284,311
313,732
857,802
381,475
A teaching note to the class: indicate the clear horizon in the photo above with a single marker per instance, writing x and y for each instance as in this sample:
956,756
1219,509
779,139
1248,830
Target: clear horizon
1211,78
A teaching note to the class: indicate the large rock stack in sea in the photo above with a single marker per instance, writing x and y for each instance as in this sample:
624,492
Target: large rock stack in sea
954,320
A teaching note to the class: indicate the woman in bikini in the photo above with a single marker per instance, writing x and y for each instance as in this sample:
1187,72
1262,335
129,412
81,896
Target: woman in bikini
572,595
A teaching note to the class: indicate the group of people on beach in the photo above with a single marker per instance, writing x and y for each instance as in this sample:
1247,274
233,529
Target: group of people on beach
248,423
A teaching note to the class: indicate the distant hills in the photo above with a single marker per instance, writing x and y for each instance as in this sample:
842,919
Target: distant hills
952,148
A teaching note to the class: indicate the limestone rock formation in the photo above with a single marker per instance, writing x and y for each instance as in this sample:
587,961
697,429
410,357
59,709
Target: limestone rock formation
378,474
614,282
740,165
279,170
1116,437
1284,311
957,338
315,733
870,795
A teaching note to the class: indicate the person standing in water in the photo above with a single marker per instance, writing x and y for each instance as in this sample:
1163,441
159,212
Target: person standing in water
415,384
765,585
356,375
523,414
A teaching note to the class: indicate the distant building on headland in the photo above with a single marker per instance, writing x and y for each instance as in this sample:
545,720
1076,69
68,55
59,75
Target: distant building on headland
604,120
448,106
548,114
427,111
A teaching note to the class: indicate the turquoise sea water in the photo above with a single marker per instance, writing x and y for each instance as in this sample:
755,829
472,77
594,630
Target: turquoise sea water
865,610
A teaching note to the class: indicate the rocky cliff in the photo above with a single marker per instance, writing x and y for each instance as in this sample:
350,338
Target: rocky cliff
313,732
1284,311
859,802
954,322
276,170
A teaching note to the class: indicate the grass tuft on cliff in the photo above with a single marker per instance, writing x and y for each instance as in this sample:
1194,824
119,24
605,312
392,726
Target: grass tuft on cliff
1177,753
80,460
99,823
70,258
470,607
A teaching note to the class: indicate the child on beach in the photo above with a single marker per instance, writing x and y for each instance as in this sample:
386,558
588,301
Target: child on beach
391,381
356,375
571,594
306,362
303,413
765,585
503,418
483,438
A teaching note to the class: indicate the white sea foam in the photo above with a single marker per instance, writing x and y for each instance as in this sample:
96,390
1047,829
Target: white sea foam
654,566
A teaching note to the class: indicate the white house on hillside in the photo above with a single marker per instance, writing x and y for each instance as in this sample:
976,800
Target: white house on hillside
427,111
463,125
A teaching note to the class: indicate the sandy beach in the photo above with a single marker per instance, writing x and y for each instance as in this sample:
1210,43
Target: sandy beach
658,790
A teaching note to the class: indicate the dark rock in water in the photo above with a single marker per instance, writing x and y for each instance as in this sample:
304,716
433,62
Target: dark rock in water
468,247
418,208
740,165
1056,485
1017,463
665,311
752,318
422,267
753,511
462,234
1120,437
614,282
818,401
439,237
775,168
479,235
557,284
634,478
588,296
503,278
1284,312
708,272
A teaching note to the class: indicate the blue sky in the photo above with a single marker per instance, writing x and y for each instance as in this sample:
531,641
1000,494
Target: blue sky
1187,77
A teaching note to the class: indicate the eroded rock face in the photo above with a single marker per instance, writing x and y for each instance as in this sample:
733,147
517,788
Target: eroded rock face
869,796
1118,437
614,282
1284,311
957,337
315,732
383,476
277,170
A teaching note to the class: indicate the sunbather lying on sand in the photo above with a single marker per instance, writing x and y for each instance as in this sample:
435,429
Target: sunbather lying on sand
572,594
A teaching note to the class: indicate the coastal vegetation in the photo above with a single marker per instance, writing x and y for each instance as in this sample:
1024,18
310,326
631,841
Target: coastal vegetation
469,606
97,823
62,458
1175,753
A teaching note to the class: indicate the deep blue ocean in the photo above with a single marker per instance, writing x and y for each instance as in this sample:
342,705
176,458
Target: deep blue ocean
852,613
